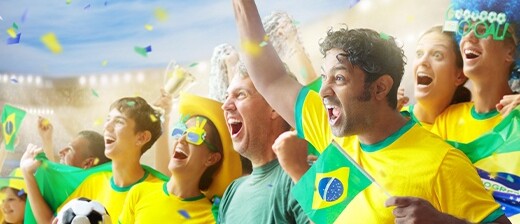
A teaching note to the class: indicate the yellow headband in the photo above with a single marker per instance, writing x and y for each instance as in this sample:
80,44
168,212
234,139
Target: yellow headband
231,167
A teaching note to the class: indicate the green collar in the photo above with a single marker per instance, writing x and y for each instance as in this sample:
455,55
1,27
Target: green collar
483,116
389,140
126,188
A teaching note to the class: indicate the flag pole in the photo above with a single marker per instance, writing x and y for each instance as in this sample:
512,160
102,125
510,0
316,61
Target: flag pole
359,167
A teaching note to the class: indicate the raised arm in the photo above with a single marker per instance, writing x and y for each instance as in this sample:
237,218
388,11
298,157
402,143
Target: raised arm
45,130
29,164
162,147
265,68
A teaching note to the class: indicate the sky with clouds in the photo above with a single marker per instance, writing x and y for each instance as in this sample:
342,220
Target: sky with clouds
94,31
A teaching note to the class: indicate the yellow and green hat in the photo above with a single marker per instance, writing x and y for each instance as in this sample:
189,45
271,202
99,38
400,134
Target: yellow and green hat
14,180
231,167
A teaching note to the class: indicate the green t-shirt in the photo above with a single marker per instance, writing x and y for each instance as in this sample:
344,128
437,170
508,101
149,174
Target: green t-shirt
262,197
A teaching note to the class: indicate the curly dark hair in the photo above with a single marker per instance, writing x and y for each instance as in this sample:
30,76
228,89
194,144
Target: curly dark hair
375,53
143,114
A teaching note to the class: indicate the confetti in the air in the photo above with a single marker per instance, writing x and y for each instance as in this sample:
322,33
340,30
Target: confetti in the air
87,7
148,27
11,32
24,15
15,26
161,14
106,3
98,122
104,63
262,44
96,161
193,64
15,40
1,18
51,42
68,2
184,214
384,36
14,80
153,118
143,51
130,103
251,48
95,93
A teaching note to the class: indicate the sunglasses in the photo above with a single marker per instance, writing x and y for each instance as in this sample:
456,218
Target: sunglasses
195,135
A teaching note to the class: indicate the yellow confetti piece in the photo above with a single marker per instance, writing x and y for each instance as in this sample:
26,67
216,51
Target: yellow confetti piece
11,32
104,63
153,118
148,27
251,48
266,38
68,2
96,161
51,41
98,122
161,14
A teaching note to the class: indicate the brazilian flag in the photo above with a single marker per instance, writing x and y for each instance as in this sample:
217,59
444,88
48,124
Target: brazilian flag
499,149
326,189
11,120
496,154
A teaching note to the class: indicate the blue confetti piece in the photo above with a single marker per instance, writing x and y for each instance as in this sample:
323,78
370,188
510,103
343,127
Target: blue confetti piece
106,2
20,193
14,80
24,15
184,214
270,185
15,40
148,48
86,7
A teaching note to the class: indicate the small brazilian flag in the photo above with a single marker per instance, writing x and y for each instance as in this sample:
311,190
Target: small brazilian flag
11,120
329,186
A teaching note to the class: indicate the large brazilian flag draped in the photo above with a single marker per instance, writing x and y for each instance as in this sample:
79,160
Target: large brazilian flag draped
497,156
11,120
326,189
57,181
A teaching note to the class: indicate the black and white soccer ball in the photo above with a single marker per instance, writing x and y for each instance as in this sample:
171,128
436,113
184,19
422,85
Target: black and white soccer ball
83,211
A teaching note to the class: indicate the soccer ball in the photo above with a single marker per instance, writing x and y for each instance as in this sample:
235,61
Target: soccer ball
83,211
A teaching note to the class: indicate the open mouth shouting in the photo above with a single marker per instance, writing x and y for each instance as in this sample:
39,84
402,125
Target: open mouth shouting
471,54
178,154
423,79
333,111
235,126
109,141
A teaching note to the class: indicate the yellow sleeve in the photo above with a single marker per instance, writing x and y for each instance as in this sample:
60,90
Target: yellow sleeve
460,191
128,212
312,119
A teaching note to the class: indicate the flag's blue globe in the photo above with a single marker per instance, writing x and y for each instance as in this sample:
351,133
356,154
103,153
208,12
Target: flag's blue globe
9,127
330,188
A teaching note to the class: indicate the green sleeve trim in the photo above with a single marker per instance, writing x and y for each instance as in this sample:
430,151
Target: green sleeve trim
315,85
493,216
127,188
392,138
298,111
483,116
